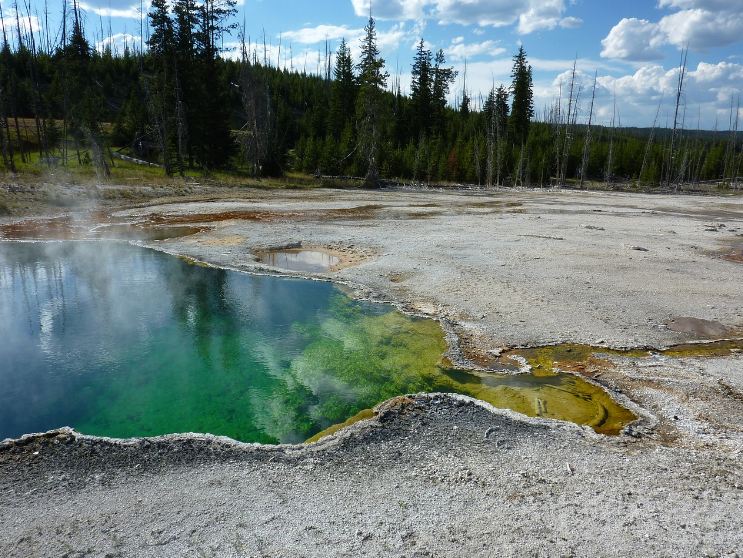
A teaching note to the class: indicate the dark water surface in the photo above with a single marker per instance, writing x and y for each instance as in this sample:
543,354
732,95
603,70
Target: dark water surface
117,340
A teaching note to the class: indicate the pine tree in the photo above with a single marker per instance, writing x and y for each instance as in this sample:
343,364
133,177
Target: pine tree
464,105
159,83
443,78
500,111
421,91
522,109
343,95
162,37
187,81
496,113
85,97
369,105
214,144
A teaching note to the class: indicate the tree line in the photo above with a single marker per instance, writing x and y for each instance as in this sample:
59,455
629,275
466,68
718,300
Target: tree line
184,104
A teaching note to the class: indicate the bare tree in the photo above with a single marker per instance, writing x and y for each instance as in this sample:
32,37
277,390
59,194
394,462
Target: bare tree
649,144
567,135
490,143
556,119
730,166
674,133
609,172
587,140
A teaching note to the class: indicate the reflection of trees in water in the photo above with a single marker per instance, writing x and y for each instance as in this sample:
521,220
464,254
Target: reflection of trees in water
200,307
36,280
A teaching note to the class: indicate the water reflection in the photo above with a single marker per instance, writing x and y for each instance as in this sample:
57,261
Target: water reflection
299,259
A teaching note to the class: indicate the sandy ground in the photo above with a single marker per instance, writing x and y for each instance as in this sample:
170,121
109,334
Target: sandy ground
440,476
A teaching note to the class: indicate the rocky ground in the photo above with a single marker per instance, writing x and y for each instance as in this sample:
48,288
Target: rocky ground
439,476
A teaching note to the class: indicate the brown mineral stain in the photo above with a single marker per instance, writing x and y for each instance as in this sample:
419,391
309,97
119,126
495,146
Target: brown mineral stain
91,227
360,212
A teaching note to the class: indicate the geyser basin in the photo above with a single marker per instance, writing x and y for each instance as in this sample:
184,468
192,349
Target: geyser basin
117,340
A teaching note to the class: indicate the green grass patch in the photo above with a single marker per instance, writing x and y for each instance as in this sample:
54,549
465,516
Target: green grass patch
81,170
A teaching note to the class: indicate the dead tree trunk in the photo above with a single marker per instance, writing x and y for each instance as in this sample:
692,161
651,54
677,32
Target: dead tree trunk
729,165
674,132
649,145
609,173
587,140
572,102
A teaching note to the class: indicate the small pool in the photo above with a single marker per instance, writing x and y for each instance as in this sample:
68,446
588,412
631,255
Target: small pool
122,341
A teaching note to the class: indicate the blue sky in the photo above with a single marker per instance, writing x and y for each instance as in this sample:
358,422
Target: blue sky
634,45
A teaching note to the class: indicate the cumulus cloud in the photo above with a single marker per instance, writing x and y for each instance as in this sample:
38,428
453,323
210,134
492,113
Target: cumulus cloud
320,33
481,12
698,24
391,9
541,15
115,8
708,87
459,50
633,39
701,29
528,15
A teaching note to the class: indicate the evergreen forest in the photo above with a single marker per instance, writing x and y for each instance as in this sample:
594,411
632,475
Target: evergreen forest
181,102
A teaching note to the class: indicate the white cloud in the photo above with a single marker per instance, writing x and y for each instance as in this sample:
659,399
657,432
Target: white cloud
391,9
633,39
118,9
459,50
571,22
701,29
708,88
320,33
529,15
26,23
698,24
479,12
541,15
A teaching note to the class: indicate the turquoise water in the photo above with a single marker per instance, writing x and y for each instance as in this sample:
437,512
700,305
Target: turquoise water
121,341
